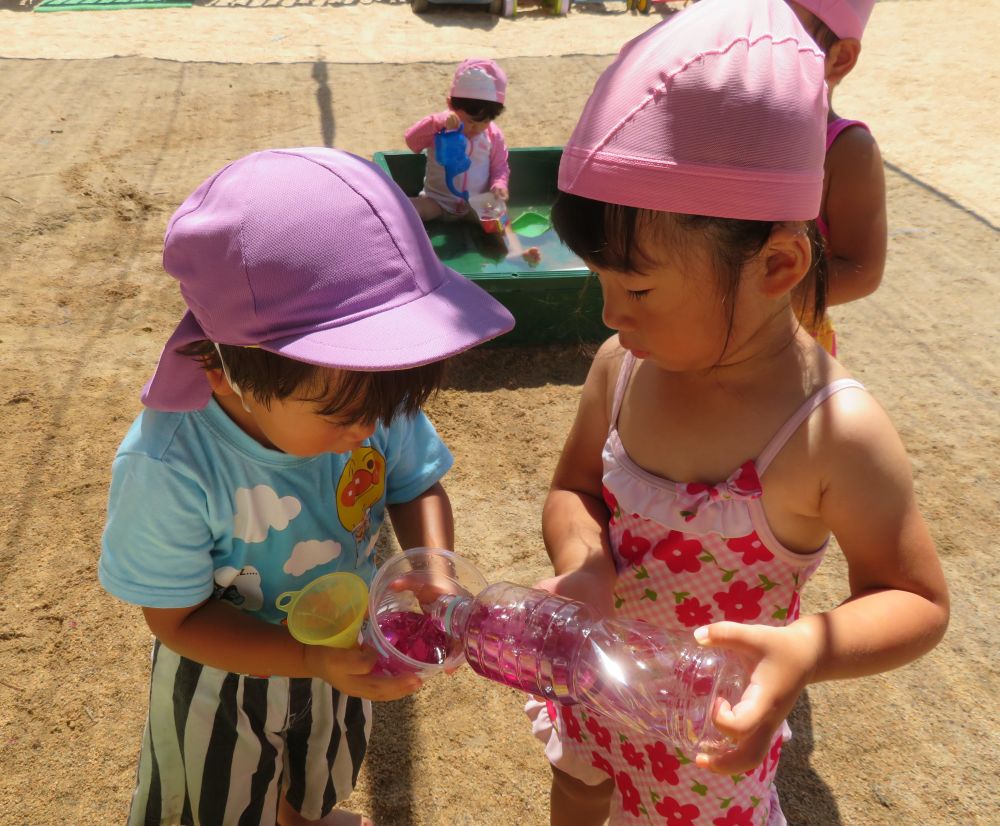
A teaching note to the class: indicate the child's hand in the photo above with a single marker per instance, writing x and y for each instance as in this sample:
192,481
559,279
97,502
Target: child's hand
349,671
452,121
500,192
779,661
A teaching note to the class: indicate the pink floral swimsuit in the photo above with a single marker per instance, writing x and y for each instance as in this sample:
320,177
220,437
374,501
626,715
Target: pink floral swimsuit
687,555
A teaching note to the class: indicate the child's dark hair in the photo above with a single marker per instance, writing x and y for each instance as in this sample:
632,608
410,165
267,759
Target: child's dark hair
606,235
821,33
479,110
361,397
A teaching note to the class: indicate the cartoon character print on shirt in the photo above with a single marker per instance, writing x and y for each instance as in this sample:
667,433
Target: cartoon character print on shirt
240,587
361,486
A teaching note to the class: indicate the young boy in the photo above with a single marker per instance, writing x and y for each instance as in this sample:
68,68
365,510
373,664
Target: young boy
852,215
475,101
283,421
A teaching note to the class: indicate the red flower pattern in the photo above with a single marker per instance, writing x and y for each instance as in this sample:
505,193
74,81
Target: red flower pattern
771,761
677,814
633,756
663,764
793,608
601,734
691,613
696,488
630,794
610,501
601,762
740,603
736,816
746,480
679,553
633,548
571,723
751,547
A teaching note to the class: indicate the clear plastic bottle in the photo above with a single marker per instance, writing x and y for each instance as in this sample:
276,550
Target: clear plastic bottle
640,676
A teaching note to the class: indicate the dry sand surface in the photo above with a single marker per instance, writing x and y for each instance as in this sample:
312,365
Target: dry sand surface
110,119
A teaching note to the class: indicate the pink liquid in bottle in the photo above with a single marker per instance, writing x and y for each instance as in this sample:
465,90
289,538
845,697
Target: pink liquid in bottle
635,674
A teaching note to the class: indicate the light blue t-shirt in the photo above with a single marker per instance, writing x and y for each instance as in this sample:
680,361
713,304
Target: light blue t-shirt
197,507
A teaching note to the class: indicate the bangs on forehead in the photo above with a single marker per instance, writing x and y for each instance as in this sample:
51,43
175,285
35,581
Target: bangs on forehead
370,397
611,236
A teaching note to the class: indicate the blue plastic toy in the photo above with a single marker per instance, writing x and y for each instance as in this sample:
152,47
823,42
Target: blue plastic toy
451,150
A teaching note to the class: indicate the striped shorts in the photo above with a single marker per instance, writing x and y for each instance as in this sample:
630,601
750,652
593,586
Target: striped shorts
219,748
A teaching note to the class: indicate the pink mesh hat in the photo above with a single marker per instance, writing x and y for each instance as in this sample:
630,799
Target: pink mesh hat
480,79
314,254
845,18
719,110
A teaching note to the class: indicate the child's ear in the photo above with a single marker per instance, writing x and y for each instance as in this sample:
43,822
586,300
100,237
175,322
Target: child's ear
842,57
787,257
217,381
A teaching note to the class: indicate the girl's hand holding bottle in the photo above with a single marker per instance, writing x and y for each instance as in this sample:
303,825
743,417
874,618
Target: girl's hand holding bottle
583,586
780,661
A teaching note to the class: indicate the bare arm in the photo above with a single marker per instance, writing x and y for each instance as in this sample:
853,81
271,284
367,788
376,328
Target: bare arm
425,521
898,608
575,518
856,215
221,636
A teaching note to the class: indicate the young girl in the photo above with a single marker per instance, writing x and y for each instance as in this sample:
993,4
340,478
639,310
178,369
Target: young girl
282,424
717,447
475,101
852,216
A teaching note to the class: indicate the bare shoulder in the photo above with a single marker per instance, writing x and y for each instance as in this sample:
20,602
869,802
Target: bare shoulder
604,369
852,431
856,148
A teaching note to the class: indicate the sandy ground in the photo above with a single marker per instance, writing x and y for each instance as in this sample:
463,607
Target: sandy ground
100,149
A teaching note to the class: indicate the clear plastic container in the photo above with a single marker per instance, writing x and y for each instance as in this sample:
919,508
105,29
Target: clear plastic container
491,211
635,674
400,627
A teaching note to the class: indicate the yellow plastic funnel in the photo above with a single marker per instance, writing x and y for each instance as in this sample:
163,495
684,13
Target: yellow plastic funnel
328,611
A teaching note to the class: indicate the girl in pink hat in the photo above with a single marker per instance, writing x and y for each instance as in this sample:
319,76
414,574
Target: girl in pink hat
852,215
475,100
717,447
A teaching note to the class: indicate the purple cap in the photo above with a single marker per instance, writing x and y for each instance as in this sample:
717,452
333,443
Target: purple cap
314,254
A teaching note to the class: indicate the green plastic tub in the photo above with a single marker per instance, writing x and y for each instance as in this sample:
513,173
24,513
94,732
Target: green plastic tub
554,300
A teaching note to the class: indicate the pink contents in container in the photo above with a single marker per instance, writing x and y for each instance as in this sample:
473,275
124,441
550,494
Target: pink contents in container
491,210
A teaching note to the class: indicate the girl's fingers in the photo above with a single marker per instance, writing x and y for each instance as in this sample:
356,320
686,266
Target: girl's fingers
741,758
739,720
744,639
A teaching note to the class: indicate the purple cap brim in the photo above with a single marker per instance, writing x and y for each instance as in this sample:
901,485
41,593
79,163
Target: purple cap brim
455,317
442,323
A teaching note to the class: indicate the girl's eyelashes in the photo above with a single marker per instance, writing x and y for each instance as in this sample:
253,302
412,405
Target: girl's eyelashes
637,295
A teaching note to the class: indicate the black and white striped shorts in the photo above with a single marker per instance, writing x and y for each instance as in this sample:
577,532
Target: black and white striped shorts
219,748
